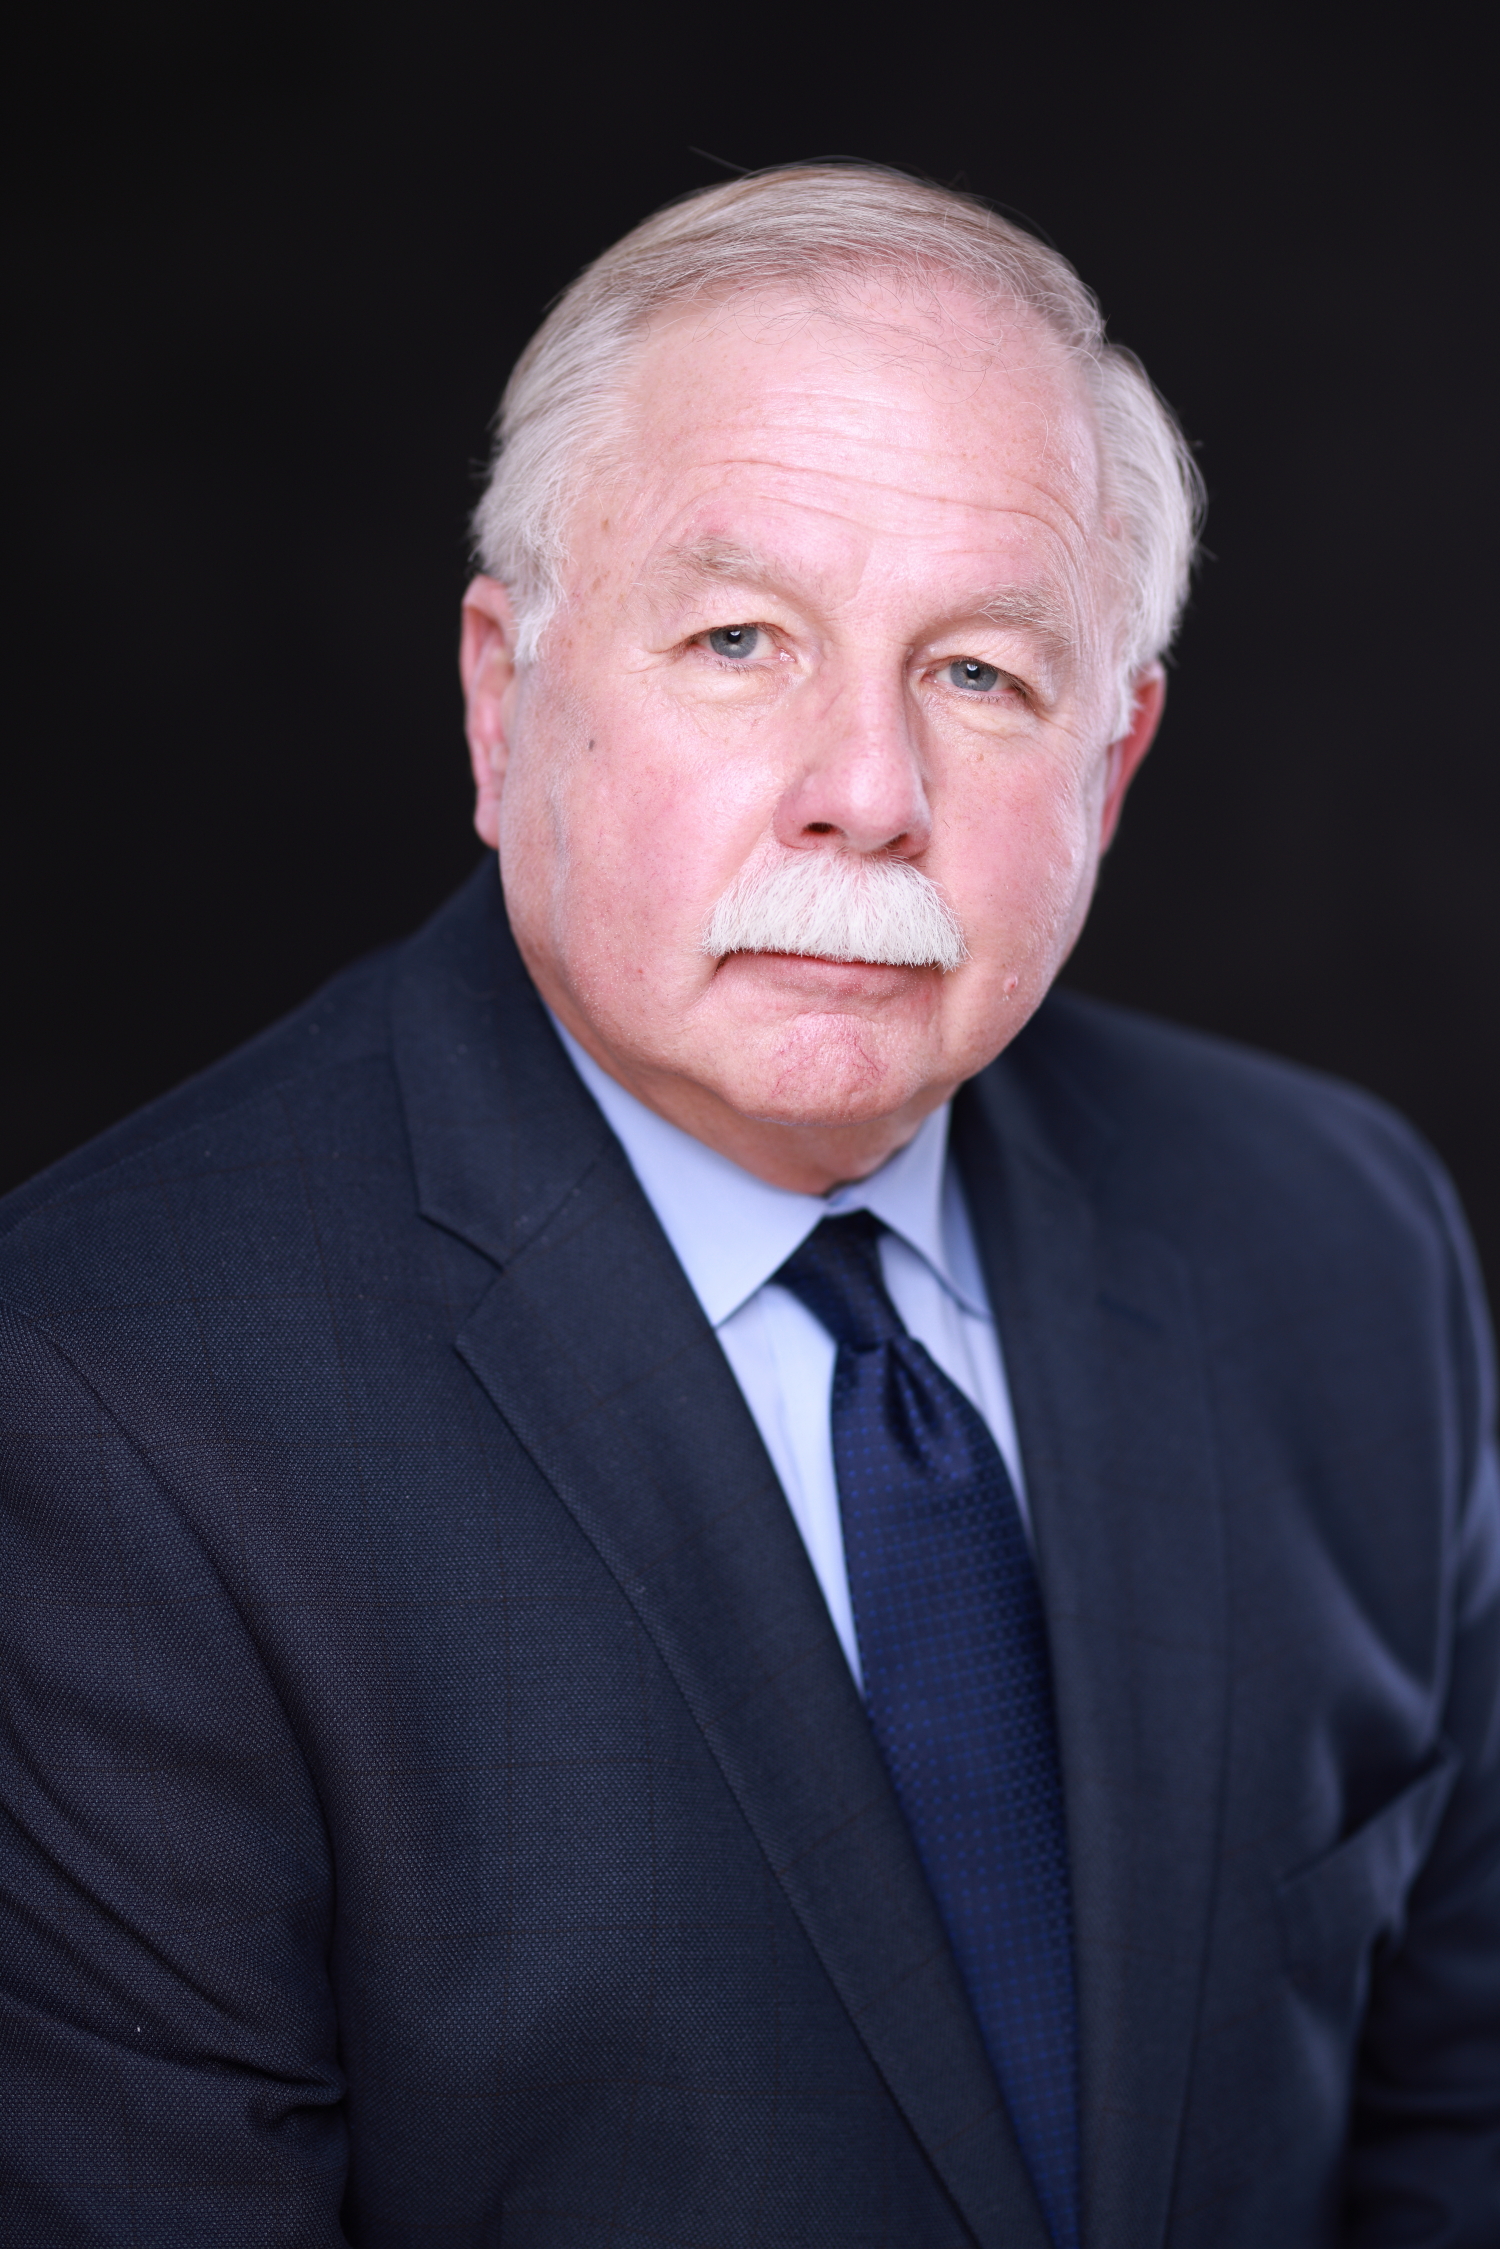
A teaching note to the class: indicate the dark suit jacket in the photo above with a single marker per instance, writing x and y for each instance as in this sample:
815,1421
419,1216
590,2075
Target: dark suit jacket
438,1811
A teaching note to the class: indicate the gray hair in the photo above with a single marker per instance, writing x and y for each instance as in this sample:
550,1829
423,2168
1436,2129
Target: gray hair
803,228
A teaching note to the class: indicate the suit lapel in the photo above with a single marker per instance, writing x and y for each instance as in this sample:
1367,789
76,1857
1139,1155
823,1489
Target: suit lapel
594,1349
1102,1358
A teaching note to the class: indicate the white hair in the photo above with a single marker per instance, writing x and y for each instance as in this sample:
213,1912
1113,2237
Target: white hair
810,228
837,906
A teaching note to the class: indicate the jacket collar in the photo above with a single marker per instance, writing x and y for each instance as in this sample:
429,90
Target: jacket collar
501,1130
1112,1407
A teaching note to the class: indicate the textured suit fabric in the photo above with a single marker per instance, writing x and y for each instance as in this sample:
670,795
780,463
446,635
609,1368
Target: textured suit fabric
437,1808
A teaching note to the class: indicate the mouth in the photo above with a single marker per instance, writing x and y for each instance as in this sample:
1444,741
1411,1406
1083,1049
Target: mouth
815,976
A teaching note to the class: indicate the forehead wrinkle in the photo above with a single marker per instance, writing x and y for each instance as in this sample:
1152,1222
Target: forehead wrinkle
714,558
847,463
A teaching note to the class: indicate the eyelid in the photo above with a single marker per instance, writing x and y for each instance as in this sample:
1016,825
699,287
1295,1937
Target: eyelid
700,637
1007,679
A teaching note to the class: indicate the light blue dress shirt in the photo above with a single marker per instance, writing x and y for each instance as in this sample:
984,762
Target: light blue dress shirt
731,1231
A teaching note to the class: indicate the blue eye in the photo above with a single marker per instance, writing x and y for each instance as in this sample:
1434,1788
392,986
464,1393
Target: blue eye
978,678
734,640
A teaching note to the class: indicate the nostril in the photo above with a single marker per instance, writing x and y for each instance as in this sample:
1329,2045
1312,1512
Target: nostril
820,827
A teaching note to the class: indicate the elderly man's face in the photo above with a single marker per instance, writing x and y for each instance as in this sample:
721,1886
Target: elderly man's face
853,596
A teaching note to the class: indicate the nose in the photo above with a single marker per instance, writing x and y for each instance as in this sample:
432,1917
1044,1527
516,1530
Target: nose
860,785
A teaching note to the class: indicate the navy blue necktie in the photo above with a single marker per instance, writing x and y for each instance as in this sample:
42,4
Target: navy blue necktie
953,1648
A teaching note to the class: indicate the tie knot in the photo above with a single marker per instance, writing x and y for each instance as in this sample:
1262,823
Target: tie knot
836,1274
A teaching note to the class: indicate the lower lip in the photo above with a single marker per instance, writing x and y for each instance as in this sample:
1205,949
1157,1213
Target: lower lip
809,972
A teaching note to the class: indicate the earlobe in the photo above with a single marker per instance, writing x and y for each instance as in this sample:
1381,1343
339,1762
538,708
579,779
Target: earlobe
487,667
1126,753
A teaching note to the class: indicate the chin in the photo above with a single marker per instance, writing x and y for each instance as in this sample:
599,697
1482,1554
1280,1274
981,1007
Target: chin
827,1071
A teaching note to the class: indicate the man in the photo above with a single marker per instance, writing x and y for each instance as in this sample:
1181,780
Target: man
687,1567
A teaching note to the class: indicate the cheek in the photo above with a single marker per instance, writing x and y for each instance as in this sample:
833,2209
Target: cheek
631,843
620,827
666,806
1027,858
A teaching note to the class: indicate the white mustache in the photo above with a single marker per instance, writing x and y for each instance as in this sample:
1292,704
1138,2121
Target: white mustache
837,906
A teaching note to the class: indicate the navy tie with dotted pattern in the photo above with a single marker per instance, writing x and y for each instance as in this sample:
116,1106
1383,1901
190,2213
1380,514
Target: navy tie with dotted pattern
953,1648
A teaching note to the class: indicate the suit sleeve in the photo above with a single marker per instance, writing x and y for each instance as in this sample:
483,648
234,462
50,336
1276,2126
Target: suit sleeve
1425,2154
168,2056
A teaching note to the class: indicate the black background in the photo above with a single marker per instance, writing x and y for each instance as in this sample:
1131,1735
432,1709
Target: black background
271,267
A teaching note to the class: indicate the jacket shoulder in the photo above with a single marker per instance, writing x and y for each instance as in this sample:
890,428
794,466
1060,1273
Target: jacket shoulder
1298,1204
1205,1136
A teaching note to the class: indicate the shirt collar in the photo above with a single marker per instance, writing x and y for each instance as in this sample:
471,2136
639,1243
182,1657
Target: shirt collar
731,1231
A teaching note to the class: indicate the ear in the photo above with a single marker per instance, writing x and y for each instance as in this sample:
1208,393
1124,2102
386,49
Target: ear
1124,755
487,666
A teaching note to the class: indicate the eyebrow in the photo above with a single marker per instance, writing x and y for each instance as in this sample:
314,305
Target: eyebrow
715,559
1033,609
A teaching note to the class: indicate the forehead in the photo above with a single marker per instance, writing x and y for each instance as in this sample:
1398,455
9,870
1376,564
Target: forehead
912,422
